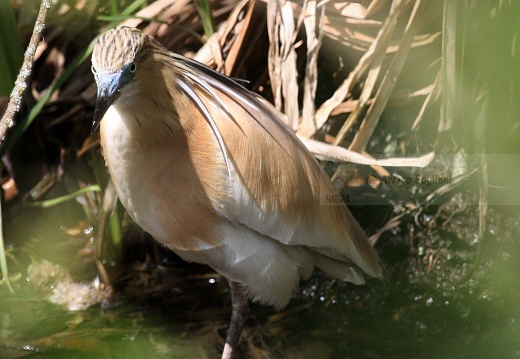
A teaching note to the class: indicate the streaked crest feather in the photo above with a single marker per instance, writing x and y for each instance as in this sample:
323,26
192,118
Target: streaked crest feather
117,48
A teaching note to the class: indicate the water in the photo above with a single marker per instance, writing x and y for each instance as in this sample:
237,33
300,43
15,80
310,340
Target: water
443,296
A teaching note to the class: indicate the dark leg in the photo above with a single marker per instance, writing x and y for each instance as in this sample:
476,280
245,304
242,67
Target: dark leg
240,303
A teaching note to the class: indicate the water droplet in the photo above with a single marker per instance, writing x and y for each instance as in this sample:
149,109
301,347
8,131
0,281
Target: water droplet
421,325
28,347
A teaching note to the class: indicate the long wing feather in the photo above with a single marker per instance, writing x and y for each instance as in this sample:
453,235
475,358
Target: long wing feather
279,188
195,99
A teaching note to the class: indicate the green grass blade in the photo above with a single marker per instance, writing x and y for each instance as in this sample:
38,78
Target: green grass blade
116,233
3,261
114,7
204,9
68,197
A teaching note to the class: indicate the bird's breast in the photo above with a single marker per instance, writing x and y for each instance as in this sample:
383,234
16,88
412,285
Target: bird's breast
157,180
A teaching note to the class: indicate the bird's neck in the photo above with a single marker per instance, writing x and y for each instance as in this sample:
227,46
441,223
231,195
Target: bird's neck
148,110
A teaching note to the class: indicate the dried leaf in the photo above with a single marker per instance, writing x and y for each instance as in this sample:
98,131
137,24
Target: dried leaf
311,69
387,85
328,152
377,46
282,59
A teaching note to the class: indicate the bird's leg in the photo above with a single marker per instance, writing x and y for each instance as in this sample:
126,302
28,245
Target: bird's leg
240,303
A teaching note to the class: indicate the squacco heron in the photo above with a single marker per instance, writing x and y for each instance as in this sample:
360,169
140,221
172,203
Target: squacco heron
212,173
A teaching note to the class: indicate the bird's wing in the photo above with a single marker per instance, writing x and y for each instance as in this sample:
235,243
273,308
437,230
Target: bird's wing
279,190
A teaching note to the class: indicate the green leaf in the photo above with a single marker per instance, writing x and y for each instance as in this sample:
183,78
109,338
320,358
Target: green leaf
204,9
58,200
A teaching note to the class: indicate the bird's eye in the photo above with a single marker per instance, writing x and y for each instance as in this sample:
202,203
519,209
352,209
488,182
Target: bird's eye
132,68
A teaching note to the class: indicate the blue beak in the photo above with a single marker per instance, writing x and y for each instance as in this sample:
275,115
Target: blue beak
109,87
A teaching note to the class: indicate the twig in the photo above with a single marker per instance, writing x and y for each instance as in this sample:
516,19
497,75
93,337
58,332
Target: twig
21,81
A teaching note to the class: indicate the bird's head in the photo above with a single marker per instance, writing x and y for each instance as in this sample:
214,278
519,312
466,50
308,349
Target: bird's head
136,69
115,60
